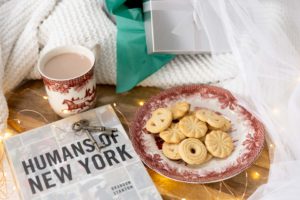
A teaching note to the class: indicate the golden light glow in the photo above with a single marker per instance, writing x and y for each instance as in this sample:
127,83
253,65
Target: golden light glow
65,111
8,133
45,97
114,104
183,199
255,175
271,145
141,103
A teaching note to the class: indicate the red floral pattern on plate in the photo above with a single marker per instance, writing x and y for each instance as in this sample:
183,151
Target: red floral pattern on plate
252,144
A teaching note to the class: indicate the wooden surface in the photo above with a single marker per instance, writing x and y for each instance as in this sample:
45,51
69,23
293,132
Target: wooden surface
29,109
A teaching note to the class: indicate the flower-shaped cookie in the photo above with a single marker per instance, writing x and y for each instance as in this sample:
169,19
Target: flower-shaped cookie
172,134
190,126
219,144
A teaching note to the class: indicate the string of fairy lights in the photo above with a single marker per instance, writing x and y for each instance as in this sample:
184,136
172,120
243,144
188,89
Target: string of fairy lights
254,175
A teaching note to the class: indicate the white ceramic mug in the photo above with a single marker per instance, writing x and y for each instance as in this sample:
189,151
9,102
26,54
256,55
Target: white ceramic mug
73,95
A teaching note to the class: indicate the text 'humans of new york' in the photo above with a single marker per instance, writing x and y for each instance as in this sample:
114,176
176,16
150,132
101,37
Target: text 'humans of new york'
98,161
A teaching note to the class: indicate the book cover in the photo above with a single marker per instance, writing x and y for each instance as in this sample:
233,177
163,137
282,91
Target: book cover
54,162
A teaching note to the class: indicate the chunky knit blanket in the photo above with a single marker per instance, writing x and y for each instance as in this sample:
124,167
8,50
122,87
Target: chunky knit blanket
31,27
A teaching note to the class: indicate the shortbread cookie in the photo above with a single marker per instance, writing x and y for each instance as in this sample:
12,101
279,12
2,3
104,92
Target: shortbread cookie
190,126
192,151
180,109
160,120
171,151
226,127
172,134
210,117
219,144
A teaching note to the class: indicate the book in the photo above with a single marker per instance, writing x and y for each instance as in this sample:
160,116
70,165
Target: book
54,162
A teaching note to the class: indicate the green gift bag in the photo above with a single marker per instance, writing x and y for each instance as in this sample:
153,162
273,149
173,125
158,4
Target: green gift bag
133,62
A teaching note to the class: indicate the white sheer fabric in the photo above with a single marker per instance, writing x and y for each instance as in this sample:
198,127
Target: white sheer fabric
264,38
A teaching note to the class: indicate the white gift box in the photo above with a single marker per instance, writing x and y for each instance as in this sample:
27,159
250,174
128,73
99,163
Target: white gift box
171,27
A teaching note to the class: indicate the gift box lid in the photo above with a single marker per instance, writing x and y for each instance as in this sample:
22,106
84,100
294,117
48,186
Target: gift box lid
170,28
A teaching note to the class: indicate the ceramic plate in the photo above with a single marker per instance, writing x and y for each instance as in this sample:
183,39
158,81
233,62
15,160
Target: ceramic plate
247,133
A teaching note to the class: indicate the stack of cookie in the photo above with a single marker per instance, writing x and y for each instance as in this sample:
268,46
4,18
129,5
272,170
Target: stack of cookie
195,137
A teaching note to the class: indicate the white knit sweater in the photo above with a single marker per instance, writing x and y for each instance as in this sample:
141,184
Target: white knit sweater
30,27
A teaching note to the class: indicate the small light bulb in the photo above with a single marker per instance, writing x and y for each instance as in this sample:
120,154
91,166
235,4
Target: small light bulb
114,104
45,97
66,111
141,103
255,175
7,134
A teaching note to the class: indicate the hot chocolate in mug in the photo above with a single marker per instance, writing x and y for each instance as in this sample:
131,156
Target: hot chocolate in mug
68,75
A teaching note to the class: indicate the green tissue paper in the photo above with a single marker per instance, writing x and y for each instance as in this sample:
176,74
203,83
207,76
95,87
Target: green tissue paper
133,62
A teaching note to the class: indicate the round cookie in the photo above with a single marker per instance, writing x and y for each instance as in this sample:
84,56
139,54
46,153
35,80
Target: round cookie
160,120
219,144
203,114
192,151
171,151
210,117
172,134
180,109
190,126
